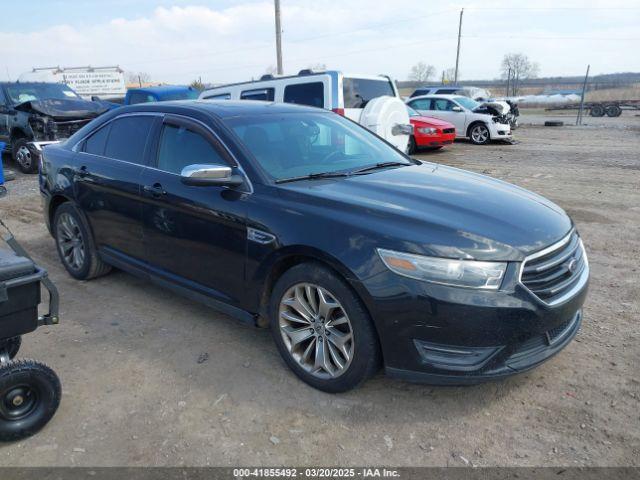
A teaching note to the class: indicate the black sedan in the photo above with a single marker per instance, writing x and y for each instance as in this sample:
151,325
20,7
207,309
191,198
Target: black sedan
295,218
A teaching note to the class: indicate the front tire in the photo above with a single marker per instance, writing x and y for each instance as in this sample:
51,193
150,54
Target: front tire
322,330
22,156
479,134
412,148
29,396
75,244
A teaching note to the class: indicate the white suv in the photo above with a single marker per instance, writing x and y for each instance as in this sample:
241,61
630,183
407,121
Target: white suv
372,101
480,122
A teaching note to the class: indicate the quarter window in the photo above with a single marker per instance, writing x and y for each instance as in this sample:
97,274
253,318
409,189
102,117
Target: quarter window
219,96
311,94
128,138
266,94
96,142
180,147
359,91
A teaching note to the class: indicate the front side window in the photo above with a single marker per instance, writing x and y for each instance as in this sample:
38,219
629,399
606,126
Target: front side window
359,91
296,144
265,94
128,138
311,94
180,147
422,104
442,105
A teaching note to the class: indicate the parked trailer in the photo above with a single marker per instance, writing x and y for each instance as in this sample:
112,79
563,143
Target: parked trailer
612,108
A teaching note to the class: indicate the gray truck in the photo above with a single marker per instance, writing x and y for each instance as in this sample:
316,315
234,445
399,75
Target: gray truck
33,114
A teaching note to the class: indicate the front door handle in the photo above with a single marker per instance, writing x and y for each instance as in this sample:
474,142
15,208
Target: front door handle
83,171
155,190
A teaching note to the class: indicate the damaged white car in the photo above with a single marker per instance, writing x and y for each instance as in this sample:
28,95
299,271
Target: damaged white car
480,122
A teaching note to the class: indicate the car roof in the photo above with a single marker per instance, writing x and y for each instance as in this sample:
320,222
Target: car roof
222,108
162,89
437,95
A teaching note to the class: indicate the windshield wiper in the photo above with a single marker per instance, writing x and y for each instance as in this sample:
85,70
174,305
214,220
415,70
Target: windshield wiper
313,176
379,165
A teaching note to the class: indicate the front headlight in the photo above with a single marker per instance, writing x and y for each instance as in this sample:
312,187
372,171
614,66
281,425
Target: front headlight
427,130
445,271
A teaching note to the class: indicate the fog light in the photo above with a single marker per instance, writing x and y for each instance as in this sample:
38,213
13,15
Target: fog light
448,357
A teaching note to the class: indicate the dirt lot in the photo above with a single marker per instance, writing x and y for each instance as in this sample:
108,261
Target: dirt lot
134,392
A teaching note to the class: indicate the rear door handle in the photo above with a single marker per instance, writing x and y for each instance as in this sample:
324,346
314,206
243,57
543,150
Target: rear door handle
155,190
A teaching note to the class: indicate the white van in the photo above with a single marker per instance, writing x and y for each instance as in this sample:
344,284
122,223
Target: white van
342,93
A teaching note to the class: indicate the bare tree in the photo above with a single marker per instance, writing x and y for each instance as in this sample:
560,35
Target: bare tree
449,75
517,67
421,72
138,77
197,84
317,67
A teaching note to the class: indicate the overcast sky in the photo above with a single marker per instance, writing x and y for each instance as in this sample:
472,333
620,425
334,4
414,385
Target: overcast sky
176,41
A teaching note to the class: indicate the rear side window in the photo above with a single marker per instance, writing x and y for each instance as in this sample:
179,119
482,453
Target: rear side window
359,91
218,96
266,94
96,142
311,94
422,104
180,147
139,97
128,137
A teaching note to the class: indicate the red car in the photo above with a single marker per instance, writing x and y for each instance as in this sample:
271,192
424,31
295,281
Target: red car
429,133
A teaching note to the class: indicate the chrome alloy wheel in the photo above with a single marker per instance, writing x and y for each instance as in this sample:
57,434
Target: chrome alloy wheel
480,134
316,330
23,157
70,241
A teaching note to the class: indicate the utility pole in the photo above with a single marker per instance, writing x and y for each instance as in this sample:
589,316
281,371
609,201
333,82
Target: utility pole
584,88
508,80
455,81
278,38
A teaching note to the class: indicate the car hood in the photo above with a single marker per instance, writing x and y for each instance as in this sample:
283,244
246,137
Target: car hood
431,122
64,109
495,107
434,210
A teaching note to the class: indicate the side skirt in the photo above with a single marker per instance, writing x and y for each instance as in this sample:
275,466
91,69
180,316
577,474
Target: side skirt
140,270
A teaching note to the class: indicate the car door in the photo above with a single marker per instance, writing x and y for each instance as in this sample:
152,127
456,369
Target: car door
195,236
107,184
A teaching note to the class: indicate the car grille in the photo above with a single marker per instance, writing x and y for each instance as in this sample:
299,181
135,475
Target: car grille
448,130
553,273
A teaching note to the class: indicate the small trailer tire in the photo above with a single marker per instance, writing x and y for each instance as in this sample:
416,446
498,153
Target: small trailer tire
29,396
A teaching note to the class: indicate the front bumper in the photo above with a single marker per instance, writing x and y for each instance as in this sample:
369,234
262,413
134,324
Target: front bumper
499,131
436,140
448,335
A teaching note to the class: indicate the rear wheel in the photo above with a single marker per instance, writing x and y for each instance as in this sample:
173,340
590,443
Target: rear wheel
596,111
29,397
479,134
75,243
22,156
322,330
613,111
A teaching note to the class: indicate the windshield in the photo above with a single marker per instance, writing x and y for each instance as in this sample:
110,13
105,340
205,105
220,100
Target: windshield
297,144
467,103
26,92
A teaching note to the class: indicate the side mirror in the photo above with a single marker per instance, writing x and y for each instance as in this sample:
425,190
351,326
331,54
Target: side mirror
456,109
210,175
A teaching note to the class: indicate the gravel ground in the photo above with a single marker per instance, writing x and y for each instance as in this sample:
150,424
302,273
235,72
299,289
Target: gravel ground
151,379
